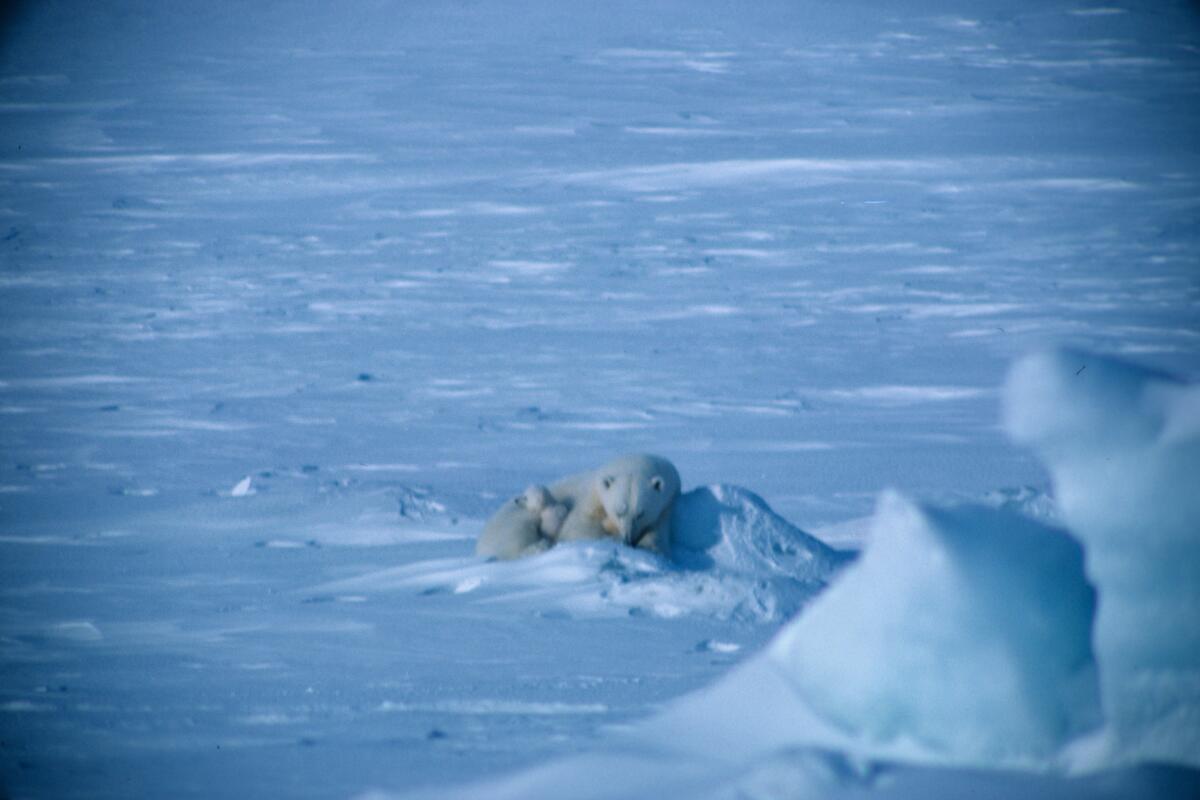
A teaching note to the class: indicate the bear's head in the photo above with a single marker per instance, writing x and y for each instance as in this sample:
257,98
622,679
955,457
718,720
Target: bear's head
635,490
536,498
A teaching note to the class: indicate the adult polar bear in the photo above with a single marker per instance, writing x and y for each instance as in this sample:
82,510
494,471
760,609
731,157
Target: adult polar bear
630,499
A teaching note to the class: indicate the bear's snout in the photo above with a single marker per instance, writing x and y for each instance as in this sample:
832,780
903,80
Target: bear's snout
625,527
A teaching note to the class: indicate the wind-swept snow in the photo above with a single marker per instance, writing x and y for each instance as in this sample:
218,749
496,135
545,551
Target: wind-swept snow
294,294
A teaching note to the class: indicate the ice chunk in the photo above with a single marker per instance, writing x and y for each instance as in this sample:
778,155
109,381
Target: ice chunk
960,636
1123,447
966,631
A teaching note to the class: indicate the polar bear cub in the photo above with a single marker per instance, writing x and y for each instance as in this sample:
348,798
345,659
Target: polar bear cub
630,499
525,525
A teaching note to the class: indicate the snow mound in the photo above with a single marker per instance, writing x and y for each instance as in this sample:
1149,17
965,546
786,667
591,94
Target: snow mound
1123,447
965,632
984,636
734,558
960,636
734,530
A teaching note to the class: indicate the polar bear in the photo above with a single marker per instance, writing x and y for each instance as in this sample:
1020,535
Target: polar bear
630,499
525,525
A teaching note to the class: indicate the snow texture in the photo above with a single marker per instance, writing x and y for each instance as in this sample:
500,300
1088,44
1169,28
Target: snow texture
734,530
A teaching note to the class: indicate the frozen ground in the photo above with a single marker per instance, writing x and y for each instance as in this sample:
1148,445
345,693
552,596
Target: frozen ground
292,298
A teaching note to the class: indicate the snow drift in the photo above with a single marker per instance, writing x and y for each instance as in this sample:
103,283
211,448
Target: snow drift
965,632
960,636
1123,446
734,530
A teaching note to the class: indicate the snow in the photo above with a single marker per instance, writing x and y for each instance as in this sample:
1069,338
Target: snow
1123,446
965,633
732,529
963,636
734,558
294,295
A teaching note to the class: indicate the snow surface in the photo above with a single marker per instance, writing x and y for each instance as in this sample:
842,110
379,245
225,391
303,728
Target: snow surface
294,294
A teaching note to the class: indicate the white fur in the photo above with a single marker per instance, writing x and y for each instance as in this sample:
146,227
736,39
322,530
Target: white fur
552,520
630,499
525,525
537,498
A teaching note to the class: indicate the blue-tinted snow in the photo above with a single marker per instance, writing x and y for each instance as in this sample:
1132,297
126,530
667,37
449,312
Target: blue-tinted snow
732,558
963,637
960,636
391,262
1126,467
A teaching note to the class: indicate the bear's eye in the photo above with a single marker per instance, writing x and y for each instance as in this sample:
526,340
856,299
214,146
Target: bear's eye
657,483
608,482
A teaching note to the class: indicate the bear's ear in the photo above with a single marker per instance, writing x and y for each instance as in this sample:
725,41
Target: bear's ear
657,483
608,482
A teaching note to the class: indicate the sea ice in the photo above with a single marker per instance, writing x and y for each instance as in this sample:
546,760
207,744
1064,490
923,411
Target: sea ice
1123,447
965,635
964,632
960,636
